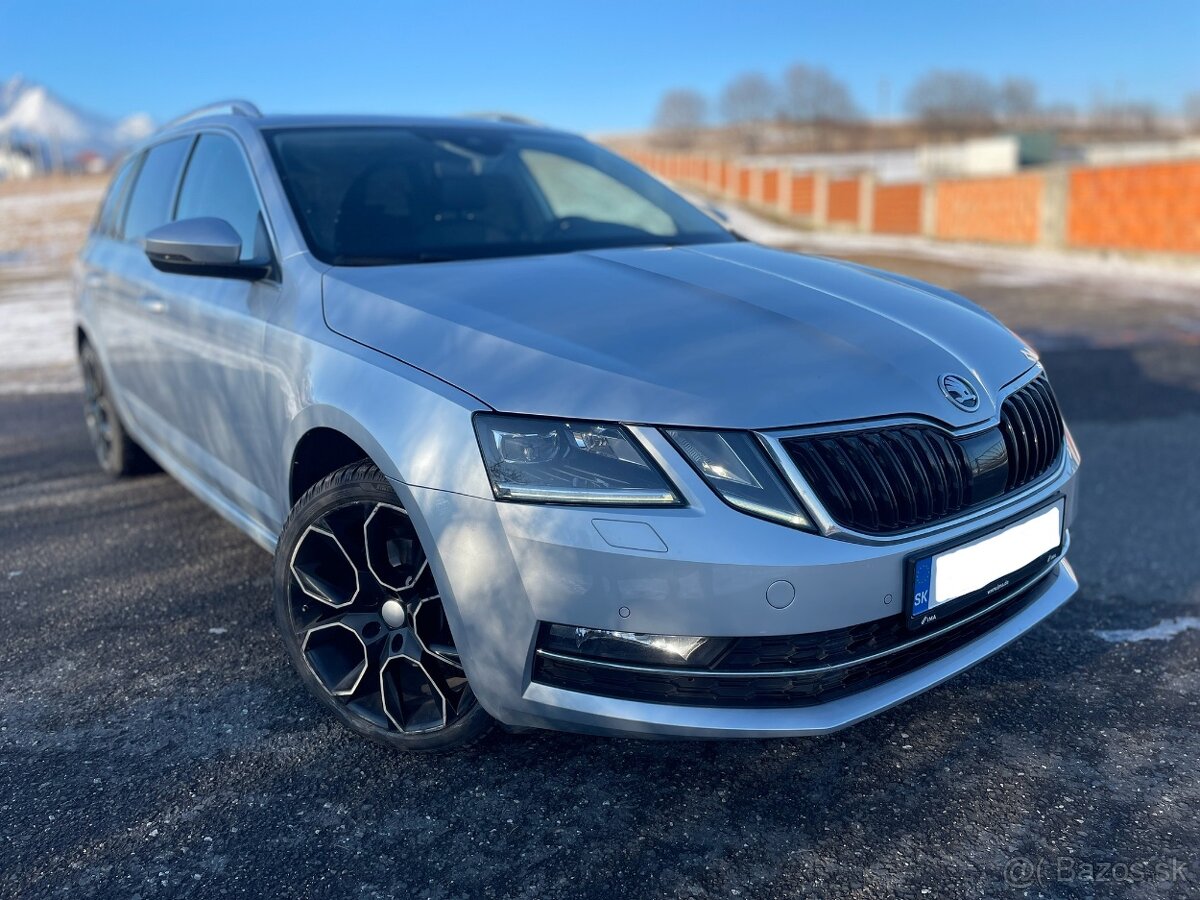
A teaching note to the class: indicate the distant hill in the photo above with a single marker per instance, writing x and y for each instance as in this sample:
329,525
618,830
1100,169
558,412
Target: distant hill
32,114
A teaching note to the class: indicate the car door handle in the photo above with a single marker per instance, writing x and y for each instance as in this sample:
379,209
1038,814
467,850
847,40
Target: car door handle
152,304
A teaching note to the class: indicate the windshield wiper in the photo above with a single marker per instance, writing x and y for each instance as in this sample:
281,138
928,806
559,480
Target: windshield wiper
394,260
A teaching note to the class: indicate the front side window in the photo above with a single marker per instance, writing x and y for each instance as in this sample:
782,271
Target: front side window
154,190
386,195
217,184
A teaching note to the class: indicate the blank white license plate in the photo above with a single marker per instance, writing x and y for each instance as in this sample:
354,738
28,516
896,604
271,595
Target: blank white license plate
987,566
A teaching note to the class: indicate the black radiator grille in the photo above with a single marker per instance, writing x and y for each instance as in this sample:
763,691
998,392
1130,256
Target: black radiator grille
887,480
1033,434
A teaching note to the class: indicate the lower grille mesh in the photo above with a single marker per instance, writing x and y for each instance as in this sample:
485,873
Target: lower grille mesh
775,690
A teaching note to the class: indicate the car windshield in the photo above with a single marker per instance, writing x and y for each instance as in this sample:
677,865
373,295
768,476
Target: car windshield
385,195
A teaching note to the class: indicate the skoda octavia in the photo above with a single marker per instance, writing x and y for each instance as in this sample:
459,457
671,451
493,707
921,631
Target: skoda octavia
535,440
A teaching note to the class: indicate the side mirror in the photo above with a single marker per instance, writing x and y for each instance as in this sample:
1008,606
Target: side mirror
203,246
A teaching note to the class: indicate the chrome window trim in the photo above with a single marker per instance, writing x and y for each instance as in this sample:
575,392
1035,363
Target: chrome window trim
829,527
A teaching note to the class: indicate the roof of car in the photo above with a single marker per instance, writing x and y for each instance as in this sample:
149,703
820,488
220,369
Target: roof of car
269,122
309,121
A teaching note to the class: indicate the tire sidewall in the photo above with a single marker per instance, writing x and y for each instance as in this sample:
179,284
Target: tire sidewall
113,462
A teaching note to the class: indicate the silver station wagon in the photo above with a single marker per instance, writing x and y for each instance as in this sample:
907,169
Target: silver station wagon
535,440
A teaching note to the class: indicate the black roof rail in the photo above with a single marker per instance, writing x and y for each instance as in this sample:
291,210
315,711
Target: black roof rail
230,107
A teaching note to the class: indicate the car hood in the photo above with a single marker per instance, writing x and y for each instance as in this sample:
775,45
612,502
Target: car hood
721,335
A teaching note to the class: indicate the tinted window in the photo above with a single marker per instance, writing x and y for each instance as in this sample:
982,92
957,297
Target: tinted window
217,183
384,195
114,200
150,202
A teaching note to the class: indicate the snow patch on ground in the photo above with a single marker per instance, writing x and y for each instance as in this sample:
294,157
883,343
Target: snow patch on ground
38,204
1163,631
40,233
37,335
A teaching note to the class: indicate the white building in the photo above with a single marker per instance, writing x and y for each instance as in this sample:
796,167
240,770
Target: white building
16,163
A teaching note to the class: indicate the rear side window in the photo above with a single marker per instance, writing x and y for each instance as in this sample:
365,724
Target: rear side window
217,183
154,191
114,201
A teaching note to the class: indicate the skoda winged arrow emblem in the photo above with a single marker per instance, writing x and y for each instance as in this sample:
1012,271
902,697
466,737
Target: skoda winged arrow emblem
959,392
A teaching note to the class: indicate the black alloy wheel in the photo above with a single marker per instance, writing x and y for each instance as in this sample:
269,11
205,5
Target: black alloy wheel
118,454
362,618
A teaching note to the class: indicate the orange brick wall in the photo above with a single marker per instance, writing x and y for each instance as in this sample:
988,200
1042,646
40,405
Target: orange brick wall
897,209
743,183
1140,207
1143,207
1002,210
770,186
716,172
843,200
804,190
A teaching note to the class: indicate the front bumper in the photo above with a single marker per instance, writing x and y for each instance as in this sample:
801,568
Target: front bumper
504,569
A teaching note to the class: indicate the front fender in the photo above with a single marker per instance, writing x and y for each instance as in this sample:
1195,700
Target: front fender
416,429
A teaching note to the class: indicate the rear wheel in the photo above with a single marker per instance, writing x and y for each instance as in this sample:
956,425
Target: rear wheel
362,618
118,454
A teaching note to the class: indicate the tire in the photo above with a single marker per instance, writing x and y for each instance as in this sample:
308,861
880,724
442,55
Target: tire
359,612
118,454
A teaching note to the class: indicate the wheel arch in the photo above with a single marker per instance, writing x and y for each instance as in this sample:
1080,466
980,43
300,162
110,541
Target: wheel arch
84,336
323,440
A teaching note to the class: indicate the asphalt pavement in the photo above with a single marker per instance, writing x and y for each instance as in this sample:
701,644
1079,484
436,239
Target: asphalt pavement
154,743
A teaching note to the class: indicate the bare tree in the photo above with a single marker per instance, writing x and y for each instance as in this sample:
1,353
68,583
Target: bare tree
953,100
812,94
681,114
746,103
1017,99
748,98
1060,115
1139,116
1191,111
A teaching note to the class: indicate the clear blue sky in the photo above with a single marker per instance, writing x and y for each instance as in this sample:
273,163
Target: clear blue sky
590,65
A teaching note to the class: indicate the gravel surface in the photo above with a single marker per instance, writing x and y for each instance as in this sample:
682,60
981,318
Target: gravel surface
153,742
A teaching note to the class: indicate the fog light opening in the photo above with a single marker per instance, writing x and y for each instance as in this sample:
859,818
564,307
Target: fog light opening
633,647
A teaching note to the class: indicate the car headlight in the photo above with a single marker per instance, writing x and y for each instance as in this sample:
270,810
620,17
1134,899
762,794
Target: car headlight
554,461
736,467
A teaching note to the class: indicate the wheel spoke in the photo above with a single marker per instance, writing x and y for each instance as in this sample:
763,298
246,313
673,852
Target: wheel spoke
446,653
104,425
393,552
323,569
433,631
308,614
412,699
449,681
346,525
97,412
92,377
337,656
